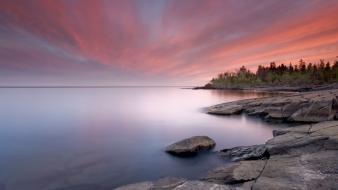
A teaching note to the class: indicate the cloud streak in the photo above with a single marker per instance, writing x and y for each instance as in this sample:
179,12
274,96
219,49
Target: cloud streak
158,42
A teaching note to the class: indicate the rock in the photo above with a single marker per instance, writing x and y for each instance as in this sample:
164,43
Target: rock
161,184
303,157
137,186
177,185
226,110
300,158
305,138
168,183
309,107
199,185
191,146
309,171
245,152
315,112
236,172
299,129
283,144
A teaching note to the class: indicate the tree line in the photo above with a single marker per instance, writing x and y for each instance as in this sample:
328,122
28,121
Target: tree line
292,74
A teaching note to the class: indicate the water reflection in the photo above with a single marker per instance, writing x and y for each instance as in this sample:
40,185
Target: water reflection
54,138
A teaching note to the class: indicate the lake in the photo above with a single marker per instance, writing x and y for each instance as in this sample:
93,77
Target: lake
53,138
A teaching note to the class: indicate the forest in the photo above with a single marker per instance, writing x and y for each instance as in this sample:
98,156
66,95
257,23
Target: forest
298,74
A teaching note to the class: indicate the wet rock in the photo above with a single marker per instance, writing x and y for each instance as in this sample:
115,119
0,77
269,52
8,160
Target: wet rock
168,183
191,146
161,184
245,153
180,185
226,109
200,185
137,186
236,172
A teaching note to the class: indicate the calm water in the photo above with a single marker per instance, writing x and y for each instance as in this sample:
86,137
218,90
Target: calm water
59,137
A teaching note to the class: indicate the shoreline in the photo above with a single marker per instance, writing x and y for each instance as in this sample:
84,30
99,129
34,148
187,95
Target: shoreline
270,88
275,164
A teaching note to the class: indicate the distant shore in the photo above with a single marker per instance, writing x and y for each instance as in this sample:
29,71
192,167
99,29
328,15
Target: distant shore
270,88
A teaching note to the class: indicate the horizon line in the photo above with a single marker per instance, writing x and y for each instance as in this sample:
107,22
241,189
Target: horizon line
91,86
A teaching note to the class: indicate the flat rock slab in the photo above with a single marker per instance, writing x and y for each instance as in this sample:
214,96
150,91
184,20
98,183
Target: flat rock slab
163,184
199,185
245,153
191,146
179,184
309,107
236,172
298,129
310,171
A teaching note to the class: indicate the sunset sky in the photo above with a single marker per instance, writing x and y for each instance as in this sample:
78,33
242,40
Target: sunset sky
157,42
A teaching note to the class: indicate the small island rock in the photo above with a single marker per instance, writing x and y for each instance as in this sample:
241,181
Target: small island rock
191,146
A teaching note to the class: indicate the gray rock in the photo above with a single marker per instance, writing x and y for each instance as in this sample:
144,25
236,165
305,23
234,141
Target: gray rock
226,110
315,106
300,158
299,129
304,157
317,111
245,153
191,146
289,142
178,185
199,185
161,184
236,172
168,183
309,171
137,186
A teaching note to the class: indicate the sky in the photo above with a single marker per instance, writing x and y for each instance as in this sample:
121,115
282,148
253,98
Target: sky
157,42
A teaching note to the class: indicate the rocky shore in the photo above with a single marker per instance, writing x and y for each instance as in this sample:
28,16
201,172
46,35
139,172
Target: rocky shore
314,106
301,157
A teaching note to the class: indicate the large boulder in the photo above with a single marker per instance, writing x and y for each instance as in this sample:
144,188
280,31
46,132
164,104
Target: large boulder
191,146
245,153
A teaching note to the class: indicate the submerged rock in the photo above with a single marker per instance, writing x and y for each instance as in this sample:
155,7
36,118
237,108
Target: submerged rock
175,184
200,185
254,152
191,146
163,184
